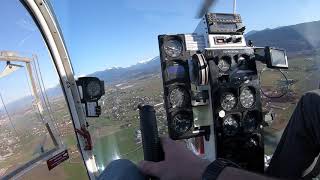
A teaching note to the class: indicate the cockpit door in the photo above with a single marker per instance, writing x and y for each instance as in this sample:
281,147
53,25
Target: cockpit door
40,14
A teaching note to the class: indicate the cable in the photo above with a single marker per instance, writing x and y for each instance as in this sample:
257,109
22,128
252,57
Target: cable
54,139
9,117
44,94
28,82
275,97
39,113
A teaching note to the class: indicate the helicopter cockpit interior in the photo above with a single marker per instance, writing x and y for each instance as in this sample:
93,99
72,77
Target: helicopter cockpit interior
78,80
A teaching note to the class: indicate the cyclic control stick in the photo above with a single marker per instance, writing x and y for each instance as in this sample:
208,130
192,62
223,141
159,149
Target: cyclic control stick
149,132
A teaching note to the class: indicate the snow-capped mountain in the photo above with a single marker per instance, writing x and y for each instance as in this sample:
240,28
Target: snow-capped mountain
118,74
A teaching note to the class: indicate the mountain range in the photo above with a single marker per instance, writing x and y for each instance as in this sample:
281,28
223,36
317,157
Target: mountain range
119,74
296,39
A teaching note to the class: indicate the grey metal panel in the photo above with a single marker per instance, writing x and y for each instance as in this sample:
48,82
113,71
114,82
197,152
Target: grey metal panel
31,164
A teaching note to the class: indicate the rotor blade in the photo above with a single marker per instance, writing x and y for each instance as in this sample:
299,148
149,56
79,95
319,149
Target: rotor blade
205,8
10,68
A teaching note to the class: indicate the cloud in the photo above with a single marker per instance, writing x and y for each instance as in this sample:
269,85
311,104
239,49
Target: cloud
21,42
27,25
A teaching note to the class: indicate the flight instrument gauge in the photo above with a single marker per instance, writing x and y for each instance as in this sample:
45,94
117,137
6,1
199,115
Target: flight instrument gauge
223,65
249,123
179,97
230,126
181,123
173,48
228,101
247,98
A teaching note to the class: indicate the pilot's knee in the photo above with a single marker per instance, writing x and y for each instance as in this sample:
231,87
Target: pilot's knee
310,104
121,169
312,98
121,163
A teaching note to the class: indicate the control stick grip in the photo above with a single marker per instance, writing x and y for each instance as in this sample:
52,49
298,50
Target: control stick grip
149,132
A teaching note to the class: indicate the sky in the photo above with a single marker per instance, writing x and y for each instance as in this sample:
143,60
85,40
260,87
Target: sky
100,34
19,33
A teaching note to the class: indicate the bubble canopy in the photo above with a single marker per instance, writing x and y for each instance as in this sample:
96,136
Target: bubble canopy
97,42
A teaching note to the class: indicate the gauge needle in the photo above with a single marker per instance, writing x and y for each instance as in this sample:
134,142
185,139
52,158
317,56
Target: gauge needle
172,48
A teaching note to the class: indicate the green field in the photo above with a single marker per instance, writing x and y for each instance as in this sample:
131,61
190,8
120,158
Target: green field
75,171
118,145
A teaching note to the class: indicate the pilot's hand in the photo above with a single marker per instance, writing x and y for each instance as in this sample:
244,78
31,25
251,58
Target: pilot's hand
179,163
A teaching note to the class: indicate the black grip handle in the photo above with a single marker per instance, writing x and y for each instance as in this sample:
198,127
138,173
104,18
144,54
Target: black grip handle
149,132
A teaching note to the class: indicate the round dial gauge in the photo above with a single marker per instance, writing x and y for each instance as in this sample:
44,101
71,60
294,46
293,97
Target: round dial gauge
247,98
223,65
249,123
228,102
93,88
173,48
178,97
230,126
181,123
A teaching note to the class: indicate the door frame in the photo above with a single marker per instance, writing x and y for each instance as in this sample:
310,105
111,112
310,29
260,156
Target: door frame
43,16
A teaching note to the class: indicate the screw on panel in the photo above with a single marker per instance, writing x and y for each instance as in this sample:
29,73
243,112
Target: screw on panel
68,84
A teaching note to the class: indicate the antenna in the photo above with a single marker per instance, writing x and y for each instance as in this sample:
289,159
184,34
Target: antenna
234,6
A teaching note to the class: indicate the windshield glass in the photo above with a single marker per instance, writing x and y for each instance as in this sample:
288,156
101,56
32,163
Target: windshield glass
34,116
117,41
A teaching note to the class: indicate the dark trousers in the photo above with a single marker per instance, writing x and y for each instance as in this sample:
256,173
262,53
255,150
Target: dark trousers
300,142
